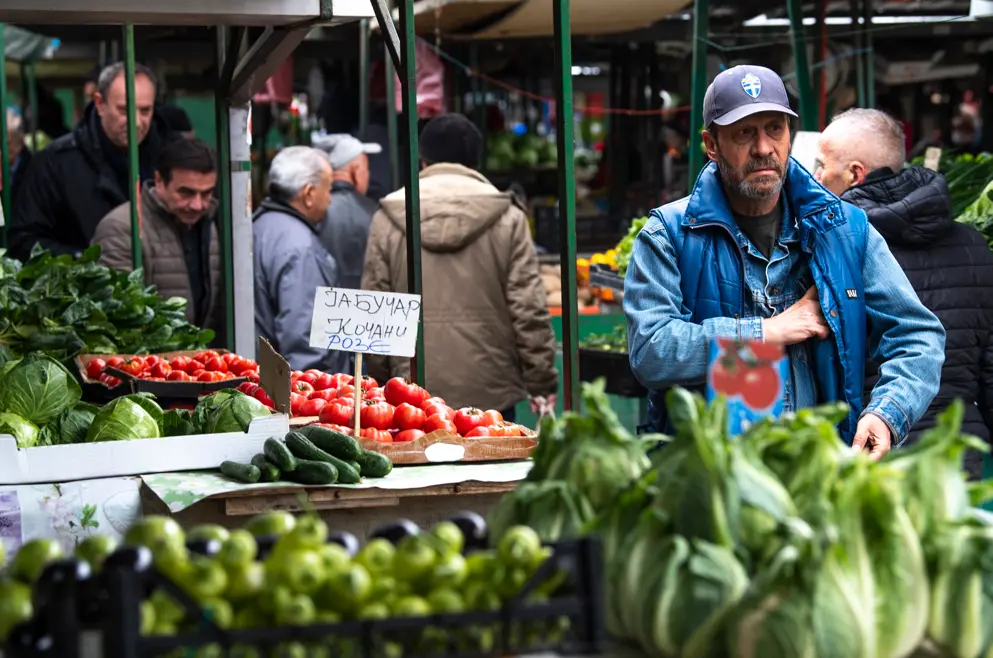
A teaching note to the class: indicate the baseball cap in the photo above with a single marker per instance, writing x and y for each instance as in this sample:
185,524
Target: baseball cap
742,91
342,148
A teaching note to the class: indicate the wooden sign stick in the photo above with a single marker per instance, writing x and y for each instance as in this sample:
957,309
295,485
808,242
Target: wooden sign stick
358,392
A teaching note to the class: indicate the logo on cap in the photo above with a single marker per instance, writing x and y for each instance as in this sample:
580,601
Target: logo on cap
752,85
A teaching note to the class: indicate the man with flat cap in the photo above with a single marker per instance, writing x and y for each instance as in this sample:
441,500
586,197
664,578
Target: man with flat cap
346,228
761,251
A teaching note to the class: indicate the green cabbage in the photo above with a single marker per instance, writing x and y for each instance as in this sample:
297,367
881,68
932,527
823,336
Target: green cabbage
961,614
71,426
38,388
234,414
128,417
178,422
24,431
552,508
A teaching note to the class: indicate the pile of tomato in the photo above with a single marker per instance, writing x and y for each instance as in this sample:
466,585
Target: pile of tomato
398,412
207,366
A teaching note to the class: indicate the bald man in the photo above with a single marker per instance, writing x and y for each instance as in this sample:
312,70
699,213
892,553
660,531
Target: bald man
861,159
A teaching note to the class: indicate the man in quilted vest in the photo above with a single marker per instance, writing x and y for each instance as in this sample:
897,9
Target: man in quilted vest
760,250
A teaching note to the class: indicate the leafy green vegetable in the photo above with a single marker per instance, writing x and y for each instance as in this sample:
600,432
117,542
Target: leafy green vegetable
178,422
615,341
38,388
23,430
128,417
71,426
234,414
626,245
61,306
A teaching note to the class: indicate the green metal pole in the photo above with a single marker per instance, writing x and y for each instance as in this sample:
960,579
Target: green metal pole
391,116
701,23
33,103
808,108
4,162
222,122
565,134
133,168
869,57
412,191
364,76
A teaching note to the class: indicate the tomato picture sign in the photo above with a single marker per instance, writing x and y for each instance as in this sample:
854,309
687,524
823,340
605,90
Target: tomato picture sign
751,375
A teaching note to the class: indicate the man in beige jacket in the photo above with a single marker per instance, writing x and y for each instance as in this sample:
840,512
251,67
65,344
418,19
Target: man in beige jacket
179,244
488,340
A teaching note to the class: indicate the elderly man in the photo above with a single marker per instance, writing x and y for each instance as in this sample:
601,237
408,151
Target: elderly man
180,250
82,176
861,157
290,259
761,251
346,229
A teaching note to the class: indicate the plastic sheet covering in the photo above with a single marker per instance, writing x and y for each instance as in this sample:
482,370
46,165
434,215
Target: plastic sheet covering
24,46
430,83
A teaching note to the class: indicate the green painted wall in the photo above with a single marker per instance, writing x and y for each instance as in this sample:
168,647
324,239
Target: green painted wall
200,108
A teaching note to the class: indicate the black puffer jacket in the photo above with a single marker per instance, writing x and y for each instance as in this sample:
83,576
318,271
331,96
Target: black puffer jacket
951,268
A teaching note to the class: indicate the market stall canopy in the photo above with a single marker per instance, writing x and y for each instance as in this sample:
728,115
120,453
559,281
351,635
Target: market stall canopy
23,46
501,19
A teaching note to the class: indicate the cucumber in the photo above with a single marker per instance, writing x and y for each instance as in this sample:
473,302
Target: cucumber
374,464
277,453
247,473
313,472
334,443
354,464
269,471
304,449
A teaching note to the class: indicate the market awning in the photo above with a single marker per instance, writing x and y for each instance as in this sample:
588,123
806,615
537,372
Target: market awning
503,19
23,46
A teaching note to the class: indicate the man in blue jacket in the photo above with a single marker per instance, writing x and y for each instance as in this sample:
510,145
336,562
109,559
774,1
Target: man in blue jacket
759,250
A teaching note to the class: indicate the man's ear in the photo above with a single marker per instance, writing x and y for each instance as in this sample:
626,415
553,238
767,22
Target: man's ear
98,101
710,143
858,171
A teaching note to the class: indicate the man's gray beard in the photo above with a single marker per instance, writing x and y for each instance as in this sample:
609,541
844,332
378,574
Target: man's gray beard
743,187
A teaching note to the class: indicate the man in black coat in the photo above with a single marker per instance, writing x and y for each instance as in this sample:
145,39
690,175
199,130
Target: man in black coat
861,157
79,178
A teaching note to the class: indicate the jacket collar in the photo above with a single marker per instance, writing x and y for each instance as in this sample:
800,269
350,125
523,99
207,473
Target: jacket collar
272,205
811,206
451,169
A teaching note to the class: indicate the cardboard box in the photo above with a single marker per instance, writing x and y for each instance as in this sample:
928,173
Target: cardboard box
163,390
85,461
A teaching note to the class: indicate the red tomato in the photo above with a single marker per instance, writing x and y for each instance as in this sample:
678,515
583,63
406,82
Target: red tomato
252,377
209,376
512,429
206,355
376,414
193,365
760,387
492,417
482,430
336,428
132,365
245,366
346,391
303,388
375,393
398,390
323,382
115,362
296,402
215,364
263,397
313,407
95,368
368,382
151,361
295,375
437,408
196,373
229,357
725,380
180,363
248,388
308,377
340,379
434,400
467,419
337,413
161,370
766,351
109,381
329,395
408,417
407,436
178,376
379,436
439,422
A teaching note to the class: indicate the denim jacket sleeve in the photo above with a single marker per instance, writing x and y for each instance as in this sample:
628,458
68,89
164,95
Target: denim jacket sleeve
665,347
904,337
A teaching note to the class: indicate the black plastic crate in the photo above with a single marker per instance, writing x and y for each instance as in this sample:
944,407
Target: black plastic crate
54,630
615,368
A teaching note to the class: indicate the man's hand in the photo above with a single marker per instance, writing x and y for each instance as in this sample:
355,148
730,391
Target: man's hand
542,406
798,323
873,435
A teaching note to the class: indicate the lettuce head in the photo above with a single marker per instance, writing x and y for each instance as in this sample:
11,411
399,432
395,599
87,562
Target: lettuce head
128,417
23,430
38,388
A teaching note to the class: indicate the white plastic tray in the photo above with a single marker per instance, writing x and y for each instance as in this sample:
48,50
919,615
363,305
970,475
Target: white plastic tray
86,461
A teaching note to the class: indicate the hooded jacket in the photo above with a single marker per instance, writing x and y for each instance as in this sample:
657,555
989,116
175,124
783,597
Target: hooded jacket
488,340
71,186
951,267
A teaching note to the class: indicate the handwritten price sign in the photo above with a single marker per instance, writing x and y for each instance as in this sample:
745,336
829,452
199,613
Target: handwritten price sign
365,322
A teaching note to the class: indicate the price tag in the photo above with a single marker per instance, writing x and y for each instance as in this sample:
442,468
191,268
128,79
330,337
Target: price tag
365,322
932,158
